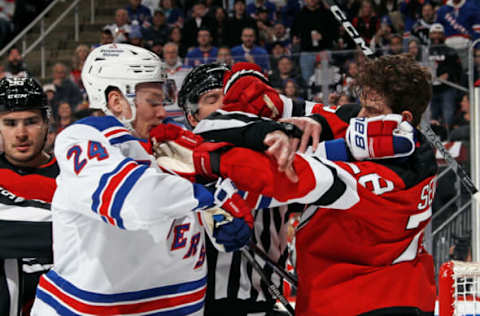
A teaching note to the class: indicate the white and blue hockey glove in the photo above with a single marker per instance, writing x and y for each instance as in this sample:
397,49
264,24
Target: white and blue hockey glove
383,136
226,232
229,224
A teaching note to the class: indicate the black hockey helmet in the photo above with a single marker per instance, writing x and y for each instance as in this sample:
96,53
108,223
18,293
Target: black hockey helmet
22,94
201,79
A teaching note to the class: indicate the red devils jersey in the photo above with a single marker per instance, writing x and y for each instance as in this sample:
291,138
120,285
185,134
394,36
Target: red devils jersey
369,257
30,183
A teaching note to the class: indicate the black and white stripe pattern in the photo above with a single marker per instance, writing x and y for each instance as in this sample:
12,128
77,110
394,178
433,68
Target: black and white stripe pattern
231,277
25,232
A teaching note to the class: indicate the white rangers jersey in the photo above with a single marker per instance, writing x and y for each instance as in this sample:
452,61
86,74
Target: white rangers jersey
127,240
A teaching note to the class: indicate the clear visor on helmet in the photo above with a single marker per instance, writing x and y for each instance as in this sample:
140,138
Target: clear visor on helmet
161,93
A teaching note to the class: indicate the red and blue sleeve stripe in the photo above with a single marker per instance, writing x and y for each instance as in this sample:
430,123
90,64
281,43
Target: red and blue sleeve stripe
113,189
67,299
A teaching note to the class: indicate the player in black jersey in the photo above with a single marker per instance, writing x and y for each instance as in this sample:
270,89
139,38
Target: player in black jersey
27,184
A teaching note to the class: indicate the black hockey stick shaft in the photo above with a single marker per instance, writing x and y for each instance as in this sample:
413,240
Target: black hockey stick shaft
281,272
426,130
271,287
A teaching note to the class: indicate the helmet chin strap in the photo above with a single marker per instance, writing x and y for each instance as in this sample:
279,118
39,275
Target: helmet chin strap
129,122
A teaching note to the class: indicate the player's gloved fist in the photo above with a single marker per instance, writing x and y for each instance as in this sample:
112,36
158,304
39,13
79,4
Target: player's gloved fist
227,198
232,235
246,89
383,136
226,232
206,158
173,147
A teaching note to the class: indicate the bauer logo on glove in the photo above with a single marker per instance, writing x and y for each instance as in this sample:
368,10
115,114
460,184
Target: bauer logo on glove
383,136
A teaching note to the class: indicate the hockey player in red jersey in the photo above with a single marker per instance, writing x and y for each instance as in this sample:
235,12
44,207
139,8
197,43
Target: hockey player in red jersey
368,259
360,250
27,184
363,228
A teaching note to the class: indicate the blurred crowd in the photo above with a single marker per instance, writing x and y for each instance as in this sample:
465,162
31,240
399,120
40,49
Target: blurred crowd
298,44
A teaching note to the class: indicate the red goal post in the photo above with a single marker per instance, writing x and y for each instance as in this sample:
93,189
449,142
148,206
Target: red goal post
459,288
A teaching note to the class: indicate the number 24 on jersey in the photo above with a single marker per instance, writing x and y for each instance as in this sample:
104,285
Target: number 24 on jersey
95,150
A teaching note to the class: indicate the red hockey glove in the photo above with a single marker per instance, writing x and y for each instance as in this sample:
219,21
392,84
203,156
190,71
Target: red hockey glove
246,89
227,198
383,136
206,158
171,132
173,147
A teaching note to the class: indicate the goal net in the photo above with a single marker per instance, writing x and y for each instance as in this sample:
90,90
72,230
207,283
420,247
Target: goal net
459,288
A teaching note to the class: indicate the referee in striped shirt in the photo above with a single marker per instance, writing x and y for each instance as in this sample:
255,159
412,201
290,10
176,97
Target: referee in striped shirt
233,286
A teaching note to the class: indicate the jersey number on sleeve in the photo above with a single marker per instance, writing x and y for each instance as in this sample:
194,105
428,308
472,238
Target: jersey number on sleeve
95,150
414,221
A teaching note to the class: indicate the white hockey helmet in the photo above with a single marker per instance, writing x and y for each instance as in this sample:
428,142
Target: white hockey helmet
123,66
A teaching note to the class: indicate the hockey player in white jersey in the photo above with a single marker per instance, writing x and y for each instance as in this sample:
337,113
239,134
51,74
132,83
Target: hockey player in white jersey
128,239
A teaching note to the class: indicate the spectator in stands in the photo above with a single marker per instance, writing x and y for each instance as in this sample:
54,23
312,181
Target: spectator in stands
121,28
49,90
381,41
212,6
264,26
278,50
138,14
157,48
385,7
15,64
64,116
135,37
410,11
250,52
291,90
350,69
422,27
238,22
289,11
461,22
395,46
285,72
173,63
415,48
461,250
315,29
106,37
204,53
448,67
65,89
324,80
252,9
81,53
461,122
158,30
221,18
199,20
173,13
224,56
279,34
176,37
367,22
